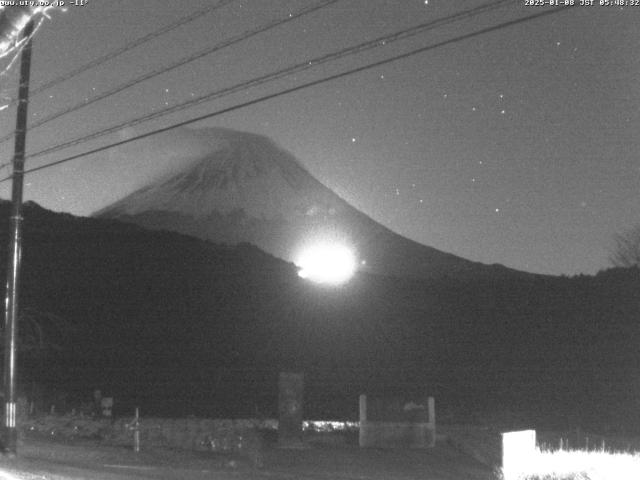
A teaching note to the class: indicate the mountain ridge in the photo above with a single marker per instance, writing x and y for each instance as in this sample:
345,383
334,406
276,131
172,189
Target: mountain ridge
249,189
179,326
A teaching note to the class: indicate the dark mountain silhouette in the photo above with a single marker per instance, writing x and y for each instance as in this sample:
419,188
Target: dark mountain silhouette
247,189
178,325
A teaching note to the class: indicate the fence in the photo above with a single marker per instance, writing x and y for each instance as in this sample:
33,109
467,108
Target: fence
395,422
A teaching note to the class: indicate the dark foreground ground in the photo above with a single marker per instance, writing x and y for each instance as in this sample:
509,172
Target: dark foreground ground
42,459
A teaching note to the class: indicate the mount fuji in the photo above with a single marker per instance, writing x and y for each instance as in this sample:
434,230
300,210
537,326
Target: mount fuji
246,189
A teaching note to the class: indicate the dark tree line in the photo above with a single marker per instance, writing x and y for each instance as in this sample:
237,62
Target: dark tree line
626,251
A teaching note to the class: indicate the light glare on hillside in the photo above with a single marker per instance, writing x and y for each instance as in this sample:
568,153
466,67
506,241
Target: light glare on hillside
329,263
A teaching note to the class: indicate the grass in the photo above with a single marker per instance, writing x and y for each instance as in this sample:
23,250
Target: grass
577,465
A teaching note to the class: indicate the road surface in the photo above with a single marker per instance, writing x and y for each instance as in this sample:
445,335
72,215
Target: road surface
49,460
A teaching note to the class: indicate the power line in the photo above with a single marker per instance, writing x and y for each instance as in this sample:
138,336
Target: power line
184,61
301,87
299,67
129,46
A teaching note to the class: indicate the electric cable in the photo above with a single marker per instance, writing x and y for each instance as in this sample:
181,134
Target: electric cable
125,48
183,61
300,87
291,70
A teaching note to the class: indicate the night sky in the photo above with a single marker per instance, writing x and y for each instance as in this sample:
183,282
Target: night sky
518,146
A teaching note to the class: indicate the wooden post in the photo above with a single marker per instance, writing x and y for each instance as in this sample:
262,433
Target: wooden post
290,408
431,406
136,431
362,429
363,408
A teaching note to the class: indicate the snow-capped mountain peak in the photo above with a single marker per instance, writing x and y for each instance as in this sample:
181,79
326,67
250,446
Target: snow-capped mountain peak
242,187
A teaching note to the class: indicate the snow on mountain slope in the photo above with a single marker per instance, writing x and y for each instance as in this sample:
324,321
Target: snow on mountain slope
248,189
243,172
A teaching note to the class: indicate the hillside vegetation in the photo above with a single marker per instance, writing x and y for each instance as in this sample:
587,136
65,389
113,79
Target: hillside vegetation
179,325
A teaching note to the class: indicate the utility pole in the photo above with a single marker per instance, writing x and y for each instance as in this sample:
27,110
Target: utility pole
15,252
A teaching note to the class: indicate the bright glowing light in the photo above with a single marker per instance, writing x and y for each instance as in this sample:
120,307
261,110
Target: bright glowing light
595,464
518,452
12,26
330,263
5,475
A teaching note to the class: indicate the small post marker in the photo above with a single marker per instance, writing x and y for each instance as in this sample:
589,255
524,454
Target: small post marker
135,426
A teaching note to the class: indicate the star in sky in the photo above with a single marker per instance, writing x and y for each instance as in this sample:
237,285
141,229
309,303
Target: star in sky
556,144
